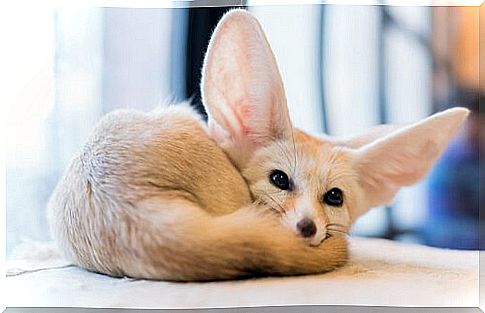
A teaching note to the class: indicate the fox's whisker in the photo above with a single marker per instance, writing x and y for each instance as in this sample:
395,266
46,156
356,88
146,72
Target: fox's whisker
330,230
337,225
280,207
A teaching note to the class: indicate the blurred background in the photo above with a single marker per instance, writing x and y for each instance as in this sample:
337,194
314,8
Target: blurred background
345,68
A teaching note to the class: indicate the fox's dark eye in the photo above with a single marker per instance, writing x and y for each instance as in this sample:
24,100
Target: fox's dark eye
334,197
279,179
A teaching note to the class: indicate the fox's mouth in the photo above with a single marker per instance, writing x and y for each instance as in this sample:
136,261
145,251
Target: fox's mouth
310,230
327,235
315,241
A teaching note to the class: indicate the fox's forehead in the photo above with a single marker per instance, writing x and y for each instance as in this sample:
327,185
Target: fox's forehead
308,159
312,146
320,160
305,138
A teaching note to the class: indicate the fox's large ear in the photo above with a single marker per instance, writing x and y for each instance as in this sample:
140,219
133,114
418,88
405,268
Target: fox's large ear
404,156
242,88
366,138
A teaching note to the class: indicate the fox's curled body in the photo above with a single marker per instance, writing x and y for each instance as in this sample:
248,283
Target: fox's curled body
153,196
167,196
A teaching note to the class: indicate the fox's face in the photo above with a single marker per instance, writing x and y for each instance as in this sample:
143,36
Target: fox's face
310,183
318,185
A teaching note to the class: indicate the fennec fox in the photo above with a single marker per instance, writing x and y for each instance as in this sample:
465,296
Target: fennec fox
166,196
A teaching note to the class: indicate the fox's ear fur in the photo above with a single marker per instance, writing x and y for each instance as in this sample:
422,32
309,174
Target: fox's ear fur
404,156
372,135
242,89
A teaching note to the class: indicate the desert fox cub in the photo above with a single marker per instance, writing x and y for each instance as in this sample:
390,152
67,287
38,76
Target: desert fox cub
167,196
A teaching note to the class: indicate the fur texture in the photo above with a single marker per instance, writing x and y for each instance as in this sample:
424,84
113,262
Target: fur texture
165,196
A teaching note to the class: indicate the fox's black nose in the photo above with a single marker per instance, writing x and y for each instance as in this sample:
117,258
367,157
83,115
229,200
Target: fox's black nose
306,227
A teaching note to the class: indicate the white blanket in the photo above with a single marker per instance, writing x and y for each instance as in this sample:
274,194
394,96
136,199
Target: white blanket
380,272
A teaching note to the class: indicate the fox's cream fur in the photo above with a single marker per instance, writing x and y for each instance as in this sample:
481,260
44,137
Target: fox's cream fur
166,196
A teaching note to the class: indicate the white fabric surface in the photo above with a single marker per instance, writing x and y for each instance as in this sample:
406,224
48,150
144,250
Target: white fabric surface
380,272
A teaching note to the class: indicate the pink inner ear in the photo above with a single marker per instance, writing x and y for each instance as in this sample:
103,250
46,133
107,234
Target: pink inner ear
242,87
243,114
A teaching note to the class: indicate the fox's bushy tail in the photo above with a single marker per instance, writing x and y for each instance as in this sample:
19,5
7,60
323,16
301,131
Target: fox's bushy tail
191,245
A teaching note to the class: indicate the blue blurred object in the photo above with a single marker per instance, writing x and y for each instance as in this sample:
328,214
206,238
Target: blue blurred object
453,219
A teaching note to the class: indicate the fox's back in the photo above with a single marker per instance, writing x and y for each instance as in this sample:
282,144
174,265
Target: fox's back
133,156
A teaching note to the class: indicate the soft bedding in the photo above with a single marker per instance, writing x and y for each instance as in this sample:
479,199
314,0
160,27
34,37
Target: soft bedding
380,272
